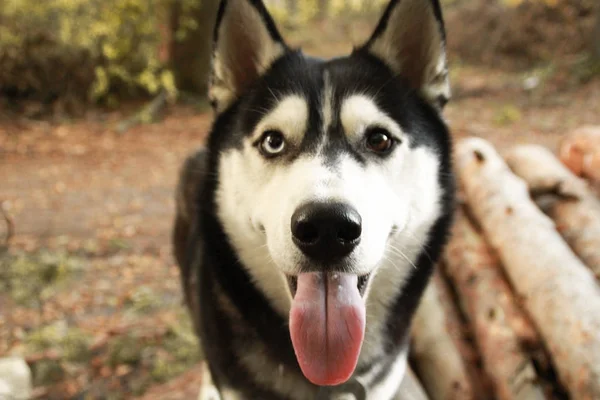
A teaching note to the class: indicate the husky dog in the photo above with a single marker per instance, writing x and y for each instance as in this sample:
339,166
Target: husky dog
308,228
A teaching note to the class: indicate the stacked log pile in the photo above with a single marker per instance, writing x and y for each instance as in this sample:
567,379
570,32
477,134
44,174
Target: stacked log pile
513,311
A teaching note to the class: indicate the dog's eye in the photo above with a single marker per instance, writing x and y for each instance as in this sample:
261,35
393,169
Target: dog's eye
379,140
272,143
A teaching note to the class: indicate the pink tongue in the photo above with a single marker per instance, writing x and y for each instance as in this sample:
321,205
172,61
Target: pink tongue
327,325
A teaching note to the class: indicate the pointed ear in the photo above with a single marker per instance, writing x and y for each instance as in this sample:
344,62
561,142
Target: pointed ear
411,39
246,43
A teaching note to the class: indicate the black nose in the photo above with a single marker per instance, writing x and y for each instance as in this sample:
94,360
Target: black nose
326,232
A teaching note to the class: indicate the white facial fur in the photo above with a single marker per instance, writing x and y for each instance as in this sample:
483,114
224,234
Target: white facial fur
257,197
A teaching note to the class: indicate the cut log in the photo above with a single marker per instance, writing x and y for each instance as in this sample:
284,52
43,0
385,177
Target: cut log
574,208
411,388
558,290
580,152
437,357
15,379
487,301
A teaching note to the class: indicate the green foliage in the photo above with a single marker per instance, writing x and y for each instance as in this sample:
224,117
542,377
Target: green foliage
586,69
307,10
48,372
181,350
31,278
126,350
72,343
165,357
507,115
357,7
143,300
104,46
186,22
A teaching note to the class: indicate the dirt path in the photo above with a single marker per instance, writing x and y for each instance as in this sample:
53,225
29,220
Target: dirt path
84,181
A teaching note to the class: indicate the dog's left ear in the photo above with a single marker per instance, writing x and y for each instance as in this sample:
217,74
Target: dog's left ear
246,43
411,39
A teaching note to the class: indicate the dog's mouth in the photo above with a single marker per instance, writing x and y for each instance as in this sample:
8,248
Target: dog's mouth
363,280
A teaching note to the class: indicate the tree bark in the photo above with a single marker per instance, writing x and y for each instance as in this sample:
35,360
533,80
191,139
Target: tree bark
191,56
575,209
499,326
595,42
438,359
323,9
558,291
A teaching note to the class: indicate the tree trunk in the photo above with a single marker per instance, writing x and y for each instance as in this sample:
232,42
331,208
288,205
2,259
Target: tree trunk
596,37
191,55
575,209
437,357
499,326
323,9
559,292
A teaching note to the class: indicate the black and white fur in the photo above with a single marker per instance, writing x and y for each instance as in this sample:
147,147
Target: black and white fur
232,231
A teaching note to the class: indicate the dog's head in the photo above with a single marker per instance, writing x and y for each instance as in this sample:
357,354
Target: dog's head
328,168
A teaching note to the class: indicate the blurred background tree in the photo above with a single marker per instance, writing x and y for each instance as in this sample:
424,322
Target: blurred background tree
191,27
596,37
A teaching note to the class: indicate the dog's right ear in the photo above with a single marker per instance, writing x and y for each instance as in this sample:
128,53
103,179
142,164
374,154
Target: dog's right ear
246,43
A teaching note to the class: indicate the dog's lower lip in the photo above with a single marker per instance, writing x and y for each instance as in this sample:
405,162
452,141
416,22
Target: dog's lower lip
362,283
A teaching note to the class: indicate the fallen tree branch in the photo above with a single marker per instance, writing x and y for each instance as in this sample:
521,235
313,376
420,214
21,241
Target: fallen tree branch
147,114
499,326
558,290
577,219
437,358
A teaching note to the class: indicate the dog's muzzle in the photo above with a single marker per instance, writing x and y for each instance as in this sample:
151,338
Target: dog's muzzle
327,317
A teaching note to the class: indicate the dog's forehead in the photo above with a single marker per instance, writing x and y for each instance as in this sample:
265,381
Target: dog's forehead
326,87
329,82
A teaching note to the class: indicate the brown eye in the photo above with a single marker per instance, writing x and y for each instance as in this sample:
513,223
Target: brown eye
272,143
379,140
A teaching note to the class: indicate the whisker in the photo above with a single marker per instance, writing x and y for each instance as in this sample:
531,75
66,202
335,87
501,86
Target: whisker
400,253
275,97
422,247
